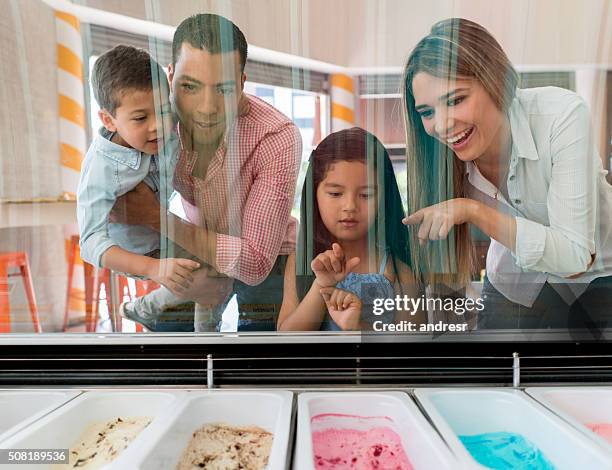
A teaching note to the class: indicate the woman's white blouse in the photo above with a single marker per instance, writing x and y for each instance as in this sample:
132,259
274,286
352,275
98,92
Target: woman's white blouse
558,195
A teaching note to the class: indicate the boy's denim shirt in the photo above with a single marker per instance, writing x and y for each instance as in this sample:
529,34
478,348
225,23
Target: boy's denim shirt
109,171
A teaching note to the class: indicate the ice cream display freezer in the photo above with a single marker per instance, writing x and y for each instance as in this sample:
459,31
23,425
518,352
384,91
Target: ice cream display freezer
258,402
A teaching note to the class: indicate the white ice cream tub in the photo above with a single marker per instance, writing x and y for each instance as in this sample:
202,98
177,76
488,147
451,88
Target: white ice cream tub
423,446
270,410
62,428
476,411
20,408
578,406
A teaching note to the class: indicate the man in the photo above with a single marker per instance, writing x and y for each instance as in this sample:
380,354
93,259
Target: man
236,174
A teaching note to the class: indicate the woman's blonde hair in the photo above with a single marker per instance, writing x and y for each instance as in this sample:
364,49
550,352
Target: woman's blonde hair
454,49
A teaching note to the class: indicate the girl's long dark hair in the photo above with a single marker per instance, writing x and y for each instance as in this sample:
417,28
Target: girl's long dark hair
387,233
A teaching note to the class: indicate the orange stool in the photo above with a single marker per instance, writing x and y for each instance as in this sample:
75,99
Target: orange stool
16,259
94,278
103,276
73,257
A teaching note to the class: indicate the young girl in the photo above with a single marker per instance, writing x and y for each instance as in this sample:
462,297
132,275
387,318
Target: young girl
351,239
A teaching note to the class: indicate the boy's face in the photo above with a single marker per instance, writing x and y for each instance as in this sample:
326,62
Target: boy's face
135,121
207,89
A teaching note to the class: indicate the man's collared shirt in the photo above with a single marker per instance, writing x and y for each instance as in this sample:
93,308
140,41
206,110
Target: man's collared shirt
558,195
247,193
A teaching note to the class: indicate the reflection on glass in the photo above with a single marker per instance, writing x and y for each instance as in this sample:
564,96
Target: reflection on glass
229,188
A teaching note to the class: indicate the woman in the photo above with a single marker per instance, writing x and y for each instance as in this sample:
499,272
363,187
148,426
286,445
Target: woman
520,165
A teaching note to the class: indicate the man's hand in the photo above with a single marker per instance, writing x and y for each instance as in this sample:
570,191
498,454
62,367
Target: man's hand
174,273
331,266
343,306
137,207
208,287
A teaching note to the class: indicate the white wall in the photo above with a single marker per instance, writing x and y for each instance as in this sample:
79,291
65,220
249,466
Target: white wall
363,33
531,32
29,150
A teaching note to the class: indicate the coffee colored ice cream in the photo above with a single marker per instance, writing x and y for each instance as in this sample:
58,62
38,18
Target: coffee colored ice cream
223,447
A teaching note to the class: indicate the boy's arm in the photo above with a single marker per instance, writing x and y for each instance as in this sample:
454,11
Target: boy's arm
118,259
96,196
140,207
95,199
175,274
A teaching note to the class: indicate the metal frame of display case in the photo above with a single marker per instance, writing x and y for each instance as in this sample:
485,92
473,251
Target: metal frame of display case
304,360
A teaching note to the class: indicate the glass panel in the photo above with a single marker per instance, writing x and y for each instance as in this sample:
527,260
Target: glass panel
207,187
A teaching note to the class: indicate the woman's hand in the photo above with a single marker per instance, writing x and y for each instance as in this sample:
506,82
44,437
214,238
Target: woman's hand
343,306
331,266
137,207
436,221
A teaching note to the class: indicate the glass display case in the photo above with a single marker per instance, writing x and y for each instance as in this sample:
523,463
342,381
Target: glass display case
324,252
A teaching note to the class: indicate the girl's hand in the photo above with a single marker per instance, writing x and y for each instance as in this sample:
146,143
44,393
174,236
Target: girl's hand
173,273
436,221
331,267
343,306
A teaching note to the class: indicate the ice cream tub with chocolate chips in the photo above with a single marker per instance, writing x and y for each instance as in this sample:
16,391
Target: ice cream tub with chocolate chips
221,429
366,430
96,427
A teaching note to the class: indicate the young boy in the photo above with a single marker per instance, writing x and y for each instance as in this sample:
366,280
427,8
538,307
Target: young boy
127,83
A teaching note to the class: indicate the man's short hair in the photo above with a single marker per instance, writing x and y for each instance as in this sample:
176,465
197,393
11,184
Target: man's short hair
122,68
212,33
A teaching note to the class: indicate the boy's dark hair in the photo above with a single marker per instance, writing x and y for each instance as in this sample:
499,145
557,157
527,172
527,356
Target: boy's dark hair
121,68
212,33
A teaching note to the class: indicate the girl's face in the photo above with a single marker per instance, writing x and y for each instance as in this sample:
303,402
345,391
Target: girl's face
347,201
460,114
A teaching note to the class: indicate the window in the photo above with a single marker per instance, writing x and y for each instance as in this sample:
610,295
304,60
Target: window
309,112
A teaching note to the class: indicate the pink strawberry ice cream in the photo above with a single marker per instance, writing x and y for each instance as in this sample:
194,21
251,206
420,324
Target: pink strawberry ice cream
603,429
343,448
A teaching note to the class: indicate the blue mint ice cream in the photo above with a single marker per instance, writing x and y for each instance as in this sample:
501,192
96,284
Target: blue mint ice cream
503,450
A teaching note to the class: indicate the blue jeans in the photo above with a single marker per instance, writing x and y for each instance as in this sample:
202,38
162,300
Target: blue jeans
258,306
593,309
